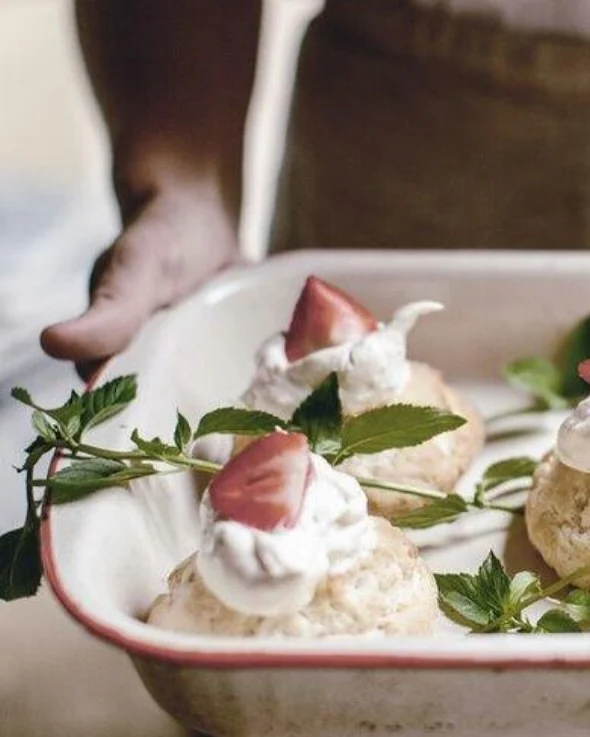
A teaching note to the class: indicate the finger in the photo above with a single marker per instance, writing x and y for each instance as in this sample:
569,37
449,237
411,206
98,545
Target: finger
86,370
176,242
126,293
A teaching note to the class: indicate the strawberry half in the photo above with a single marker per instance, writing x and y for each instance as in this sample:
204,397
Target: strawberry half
584,370
325,316
264,486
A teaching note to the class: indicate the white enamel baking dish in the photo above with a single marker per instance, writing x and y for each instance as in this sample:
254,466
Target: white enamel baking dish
108,556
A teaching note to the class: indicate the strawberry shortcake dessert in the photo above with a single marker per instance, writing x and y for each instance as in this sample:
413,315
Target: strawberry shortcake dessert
557,510
288,548
331,332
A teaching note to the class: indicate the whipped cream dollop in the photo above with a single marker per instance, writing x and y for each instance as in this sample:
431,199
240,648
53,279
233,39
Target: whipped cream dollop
573,438
370,370
264,573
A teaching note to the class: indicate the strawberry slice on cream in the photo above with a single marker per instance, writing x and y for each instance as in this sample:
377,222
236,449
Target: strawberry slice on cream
264,485
331,332
275,522
325,316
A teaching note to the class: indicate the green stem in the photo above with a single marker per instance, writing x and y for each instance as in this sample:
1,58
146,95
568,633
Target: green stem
180,463
31,519
197,464
557,586
431,494
113,455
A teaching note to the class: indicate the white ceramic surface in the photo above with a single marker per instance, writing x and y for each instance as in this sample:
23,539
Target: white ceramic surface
107,556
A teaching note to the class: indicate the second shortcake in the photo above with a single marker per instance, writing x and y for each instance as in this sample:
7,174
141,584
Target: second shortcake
330,332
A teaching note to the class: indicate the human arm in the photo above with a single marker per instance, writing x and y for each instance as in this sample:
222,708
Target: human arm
173,81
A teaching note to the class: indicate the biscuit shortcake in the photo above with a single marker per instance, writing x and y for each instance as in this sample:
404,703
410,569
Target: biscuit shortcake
329,332
288,549
557,511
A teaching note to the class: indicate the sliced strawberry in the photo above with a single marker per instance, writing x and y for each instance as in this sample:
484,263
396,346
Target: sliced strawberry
264,485
325,316
584,370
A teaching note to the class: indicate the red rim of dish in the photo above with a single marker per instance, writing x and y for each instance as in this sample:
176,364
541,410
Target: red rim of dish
260,659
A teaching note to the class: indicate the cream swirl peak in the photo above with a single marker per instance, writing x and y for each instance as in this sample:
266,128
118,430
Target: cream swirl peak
371,369
573,438
323,528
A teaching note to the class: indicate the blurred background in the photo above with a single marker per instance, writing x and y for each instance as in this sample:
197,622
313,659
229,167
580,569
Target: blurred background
56,214
57,211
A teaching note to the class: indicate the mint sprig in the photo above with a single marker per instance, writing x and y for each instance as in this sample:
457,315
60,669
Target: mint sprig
86,476
395,426
20,561
492,601
182,432
498,481
57,428
442,511
329,432
552,383
320,418
90,468
337,437
540,378
501,476
81,412
237,421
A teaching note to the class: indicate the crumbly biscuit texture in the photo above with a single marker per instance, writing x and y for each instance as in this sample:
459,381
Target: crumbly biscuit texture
558,517
389,591
436,464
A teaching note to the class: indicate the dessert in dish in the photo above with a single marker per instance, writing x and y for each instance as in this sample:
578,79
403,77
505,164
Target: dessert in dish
329,332
288,548
557,510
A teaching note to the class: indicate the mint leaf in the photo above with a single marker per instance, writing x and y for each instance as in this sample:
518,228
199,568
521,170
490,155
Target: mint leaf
67,416
35,451
80,413
155,448
495,582
438,512
319,417
395,426
540,378
523,585
182,432
20,562
501,472
576,349
99,405
42,426
237,421
577,605
460,598
476,601
22,395
557,621
83,477
509,469
490,601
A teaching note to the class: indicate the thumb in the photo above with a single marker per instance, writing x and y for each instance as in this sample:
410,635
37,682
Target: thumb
126,292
